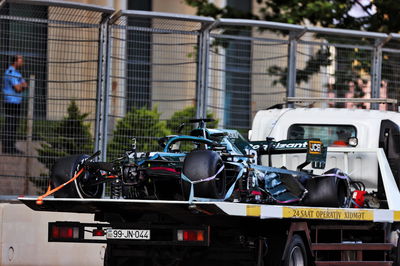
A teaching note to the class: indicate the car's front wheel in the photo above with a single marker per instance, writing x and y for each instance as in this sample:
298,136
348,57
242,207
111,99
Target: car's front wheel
205,169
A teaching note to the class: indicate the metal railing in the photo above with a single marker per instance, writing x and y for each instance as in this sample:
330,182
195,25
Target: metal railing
99,77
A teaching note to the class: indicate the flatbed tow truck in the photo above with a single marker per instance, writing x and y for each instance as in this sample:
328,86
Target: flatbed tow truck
186,232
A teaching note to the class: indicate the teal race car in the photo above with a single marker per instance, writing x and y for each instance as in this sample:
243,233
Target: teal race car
207,165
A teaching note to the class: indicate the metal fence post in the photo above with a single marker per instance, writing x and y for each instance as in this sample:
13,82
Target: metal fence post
29,130
292,59
202,73
205,53
205,48
376,70
294,36
106,94
100,116
199,76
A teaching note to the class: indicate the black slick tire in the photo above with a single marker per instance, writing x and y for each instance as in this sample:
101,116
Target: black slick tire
64,169
326,191
201,164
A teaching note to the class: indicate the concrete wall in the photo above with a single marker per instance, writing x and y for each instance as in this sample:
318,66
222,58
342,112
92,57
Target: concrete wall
23,239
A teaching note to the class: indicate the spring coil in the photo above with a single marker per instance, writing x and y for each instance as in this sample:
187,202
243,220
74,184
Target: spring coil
116,189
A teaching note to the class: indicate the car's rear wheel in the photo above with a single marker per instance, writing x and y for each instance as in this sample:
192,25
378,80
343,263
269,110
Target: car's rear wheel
201,165
327,191
67,167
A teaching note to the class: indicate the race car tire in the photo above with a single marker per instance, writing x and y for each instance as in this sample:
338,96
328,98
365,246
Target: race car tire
295,254
64,169
326,191
199,165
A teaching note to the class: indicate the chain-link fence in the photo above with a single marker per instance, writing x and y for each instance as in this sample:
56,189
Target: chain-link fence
51,51
154,61
245,58
78,78
257,65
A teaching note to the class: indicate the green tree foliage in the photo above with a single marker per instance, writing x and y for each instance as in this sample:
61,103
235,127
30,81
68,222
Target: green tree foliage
183,116
142,124
204,8
69,136
378,16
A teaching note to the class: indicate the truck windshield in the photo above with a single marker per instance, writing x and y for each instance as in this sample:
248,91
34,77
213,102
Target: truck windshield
330,135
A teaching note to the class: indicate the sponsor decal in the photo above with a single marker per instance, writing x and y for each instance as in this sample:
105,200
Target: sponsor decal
301,145
315,147
281,146
257,146
329,214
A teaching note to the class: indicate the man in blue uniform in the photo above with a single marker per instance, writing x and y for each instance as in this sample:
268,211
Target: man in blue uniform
13,87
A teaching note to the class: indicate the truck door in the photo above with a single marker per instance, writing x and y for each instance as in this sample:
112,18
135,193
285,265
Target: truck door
389,140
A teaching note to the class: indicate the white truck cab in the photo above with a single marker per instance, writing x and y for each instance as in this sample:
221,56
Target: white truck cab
372,129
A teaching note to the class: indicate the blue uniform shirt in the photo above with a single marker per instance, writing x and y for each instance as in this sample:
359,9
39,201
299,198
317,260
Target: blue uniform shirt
11,78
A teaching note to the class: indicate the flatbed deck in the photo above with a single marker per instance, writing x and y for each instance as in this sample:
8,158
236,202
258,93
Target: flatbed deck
261,211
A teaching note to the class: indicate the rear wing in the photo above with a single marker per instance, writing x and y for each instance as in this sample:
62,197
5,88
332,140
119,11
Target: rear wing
316,152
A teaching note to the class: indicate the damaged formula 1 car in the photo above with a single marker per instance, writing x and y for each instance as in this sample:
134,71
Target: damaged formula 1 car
208,165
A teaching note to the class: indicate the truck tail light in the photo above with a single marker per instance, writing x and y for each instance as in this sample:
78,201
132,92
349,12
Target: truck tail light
98,232
64,232
190,235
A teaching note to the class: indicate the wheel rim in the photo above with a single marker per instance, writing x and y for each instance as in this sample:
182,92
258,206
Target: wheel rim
84,190
89,191
296,257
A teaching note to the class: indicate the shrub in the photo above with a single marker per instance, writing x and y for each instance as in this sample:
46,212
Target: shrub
69,136
142,124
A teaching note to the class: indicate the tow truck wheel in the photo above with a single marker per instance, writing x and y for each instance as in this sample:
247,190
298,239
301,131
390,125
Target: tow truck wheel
107,257
296,254
200,165
395,254
66,168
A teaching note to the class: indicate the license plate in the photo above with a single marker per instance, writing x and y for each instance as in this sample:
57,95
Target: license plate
128,234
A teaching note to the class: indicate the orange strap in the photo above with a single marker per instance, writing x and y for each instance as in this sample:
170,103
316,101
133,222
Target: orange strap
48,188
39,200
